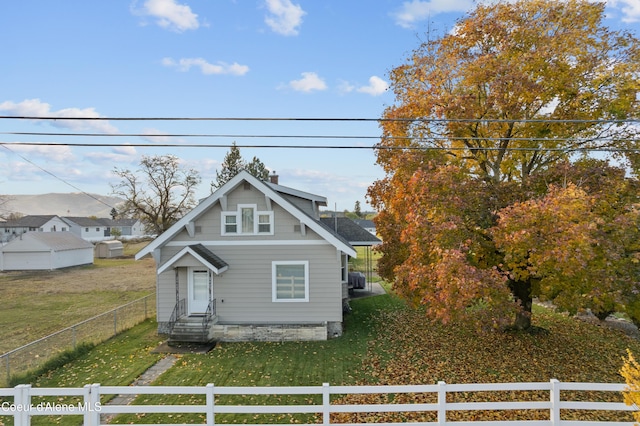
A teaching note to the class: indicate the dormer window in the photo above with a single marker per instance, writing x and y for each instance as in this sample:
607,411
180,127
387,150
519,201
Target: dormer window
247,220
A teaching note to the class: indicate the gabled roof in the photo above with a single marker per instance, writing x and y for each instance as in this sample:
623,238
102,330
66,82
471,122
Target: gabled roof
83,221
269,191
57,241
121,222
351,231
365,223
200,252
318,199
31,221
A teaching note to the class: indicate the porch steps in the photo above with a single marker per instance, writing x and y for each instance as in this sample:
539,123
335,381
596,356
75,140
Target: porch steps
189,329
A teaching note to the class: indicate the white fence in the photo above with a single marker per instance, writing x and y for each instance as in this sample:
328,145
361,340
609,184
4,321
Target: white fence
22,403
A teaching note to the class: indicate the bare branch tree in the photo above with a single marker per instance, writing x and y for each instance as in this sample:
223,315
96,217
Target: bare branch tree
159,193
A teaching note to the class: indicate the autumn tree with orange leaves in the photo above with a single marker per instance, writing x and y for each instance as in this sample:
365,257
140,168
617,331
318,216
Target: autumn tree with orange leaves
483,205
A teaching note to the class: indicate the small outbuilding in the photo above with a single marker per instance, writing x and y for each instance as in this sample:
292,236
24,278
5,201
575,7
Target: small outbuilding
45,251
109,249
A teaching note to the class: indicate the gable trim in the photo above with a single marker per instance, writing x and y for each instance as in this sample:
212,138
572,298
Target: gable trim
220,195
218,269
252,243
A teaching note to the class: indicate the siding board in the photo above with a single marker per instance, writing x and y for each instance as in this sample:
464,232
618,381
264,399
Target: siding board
244,291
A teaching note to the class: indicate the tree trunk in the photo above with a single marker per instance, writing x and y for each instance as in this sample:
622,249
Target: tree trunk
522,292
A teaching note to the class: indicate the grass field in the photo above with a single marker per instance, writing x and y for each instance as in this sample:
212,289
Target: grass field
37,303
384,343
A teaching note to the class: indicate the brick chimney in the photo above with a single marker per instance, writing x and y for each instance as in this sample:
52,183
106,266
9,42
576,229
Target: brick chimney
273,178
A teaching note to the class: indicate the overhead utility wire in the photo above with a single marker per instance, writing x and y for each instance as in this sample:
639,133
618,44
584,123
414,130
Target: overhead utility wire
433,120
368,147
55,176
242,136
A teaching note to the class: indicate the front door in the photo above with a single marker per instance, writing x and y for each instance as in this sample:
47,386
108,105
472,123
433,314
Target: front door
199,291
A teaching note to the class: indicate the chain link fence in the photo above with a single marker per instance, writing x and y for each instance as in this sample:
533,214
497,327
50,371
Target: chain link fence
92,331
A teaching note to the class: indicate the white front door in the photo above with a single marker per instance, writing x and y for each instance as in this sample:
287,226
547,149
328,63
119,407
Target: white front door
199,292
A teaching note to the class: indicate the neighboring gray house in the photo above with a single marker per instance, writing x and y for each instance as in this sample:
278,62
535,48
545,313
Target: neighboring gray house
38,223
45,251
357,237
367,224
129,228
252,261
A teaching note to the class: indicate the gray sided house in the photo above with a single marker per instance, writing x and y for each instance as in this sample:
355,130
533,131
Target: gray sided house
367,224
45,251
127,228
252,261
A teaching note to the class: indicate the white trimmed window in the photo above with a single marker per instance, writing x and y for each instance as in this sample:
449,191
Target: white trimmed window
247,220
290,281
230,224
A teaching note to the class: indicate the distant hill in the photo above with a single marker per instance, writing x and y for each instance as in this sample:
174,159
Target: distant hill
72,204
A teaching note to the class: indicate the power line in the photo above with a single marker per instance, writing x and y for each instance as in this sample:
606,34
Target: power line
56,177
342,147
321,119
264,136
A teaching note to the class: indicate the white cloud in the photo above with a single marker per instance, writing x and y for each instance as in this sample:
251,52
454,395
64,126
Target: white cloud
630,9
125,150
308,83
109,158
185,64
376,87
37,108
345,87
419,10
415,11
55,154
157,136
284,17
207,167
171,15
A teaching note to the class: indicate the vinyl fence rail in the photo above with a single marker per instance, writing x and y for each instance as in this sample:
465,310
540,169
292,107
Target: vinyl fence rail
93,330
25,402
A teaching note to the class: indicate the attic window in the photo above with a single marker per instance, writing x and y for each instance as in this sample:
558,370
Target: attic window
247,220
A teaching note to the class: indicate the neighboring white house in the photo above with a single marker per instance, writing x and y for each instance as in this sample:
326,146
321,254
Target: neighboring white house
88,229
38,223
45,251
99,229
253,261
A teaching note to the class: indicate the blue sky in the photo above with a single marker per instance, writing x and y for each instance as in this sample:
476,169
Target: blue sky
208,58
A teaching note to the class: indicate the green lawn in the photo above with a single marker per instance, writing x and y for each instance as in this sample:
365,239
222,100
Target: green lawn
384,343
116,362
38,303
